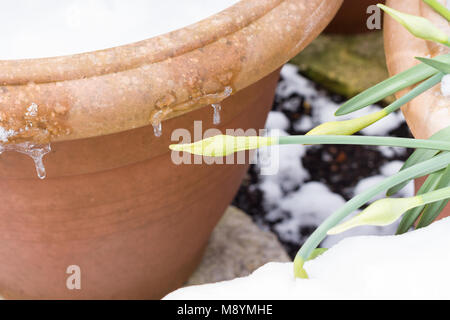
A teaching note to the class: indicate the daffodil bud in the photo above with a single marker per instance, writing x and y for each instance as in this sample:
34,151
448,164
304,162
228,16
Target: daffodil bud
418,26
347,127
380,213
224,145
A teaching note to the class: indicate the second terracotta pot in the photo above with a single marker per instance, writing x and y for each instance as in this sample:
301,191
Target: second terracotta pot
429,112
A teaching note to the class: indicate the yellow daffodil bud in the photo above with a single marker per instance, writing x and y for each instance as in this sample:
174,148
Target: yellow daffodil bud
347,127
380,213
224,145
418,26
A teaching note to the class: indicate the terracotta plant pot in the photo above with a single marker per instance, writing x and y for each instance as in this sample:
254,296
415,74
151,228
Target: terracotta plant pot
429,112
113,203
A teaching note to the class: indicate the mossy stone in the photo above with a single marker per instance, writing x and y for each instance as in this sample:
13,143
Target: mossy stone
345,64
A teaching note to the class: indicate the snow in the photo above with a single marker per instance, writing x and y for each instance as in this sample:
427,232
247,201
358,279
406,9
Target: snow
34,29
411,266
368,183
310,205
272,192
305,124
277,120
390,152
386,170
391,168
445,85
290,172
323,107
5,134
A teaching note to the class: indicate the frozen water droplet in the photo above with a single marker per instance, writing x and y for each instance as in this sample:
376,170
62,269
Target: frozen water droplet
217,108
157,129
40,168
34,151
157,123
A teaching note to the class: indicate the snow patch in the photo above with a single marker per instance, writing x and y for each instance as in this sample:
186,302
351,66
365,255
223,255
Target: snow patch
410,266
277,120
323,108
48,28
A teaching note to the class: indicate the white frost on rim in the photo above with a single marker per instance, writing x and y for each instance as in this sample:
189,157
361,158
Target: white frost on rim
411,266
5,134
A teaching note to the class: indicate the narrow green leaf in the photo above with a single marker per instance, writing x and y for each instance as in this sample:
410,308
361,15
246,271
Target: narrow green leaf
316,253
416,91
432,211
390,86
438,65
439,8
419,156
410,217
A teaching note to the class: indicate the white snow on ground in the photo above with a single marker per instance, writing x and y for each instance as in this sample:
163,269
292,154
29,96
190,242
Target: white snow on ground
368,183
290,172
411,266
323,108
391,168
310,205
387,170
277,120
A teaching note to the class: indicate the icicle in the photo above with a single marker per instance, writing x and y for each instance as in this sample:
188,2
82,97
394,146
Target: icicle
218,107
157,123
217,118
35,152
157,129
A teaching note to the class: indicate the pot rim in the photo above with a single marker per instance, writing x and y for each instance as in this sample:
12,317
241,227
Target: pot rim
423,114
130,86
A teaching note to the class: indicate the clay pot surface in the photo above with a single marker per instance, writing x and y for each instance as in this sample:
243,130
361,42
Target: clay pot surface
114,203
429,112
136,229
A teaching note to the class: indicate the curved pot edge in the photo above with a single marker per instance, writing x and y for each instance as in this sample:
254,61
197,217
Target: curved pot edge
119,101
